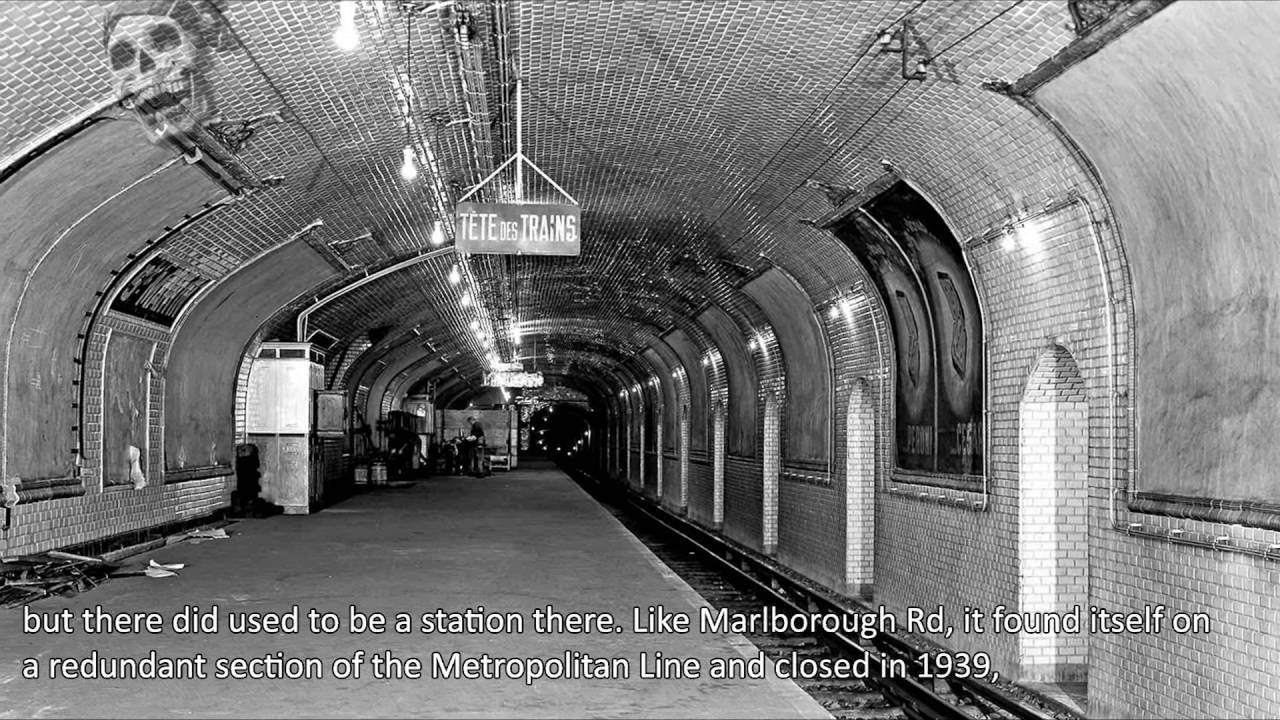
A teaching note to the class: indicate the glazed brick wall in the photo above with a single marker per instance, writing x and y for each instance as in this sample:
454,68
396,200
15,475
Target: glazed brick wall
51,524
812,522
671,480
701,490
931,544
811,530
743,500
99,513
1229,673
697,490
1053,523
929,553
241,410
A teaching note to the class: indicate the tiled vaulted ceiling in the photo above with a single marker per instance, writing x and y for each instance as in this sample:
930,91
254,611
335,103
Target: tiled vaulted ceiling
687,130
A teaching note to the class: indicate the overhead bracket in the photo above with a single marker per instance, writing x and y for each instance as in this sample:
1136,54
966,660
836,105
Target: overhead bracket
897,40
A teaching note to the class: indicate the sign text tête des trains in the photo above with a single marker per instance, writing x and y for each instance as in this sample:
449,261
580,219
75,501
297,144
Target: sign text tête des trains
518,229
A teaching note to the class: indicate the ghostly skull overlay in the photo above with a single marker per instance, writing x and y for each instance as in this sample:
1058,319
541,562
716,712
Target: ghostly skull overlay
157,51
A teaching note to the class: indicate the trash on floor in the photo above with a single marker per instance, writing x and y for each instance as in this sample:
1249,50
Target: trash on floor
209,534
195,537
31,577
159,570
152,569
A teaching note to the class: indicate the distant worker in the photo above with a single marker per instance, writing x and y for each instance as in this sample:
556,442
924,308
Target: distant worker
449,454
476,444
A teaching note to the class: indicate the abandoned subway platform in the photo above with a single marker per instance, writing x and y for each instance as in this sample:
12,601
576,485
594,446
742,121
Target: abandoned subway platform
750,358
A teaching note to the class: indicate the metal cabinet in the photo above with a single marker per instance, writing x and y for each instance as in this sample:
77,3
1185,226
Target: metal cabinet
280,419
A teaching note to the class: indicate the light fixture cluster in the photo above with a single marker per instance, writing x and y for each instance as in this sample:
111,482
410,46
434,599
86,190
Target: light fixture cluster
578,445
460,276
846,306
409,168
346,37
1026,233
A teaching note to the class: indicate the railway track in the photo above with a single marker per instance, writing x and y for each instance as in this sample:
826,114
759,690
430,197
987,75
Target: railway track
742,584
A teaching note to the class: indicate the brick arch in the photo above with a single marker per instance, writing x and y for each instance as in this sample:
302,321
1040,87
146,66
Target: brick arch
1055,375
1053,520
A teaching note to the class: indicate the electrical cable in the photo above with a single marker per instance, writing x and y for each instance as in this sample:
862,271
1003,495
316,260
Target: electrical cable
839,148
820,105
293,113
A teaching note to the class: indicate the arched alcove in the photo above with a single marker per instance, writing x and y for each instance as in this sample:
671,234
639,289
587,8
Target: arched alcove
859,473
1053,520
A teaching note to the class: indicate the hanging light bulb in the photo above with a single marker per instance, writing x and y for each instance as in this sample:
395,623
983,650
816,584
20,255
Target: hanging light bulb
466,299
346,36
455,277
437,234
409,170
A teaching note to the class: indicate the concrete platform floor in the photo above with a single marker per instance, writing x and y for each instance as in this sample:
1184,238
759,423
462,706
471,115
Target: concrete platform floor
513,542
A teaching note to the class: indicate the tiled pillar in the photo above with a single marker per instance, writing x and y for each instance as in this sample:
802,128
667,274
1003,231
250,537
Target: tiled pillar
684,458
860,465
717,467
772,466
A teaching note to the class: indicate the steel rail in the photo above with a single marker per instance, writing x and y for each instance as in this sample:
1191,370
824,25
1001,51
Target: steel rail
916,696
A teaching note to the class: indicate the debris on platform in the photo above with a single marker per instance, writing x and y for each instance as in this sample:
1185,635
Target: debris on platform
196,537
32,577
155,569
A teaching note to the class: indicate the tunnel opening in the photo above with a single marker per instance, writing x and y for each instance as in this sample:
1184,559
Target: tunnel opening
563,432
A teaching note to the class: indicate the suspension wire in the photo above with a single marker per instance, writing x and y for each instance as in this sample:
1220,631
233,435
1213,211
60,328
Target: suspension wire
297,118
839,148
812,113
409,91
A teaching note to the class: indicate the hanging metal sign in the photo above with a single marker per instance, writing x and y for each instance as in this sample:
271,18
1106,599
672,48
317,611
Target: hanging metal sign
518,229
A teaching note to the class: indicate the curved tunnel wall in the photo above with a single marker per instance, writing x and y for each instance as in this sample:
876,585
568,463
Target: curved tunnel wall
1180,117
806,433
205,360
59,247
1189,161
741,376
